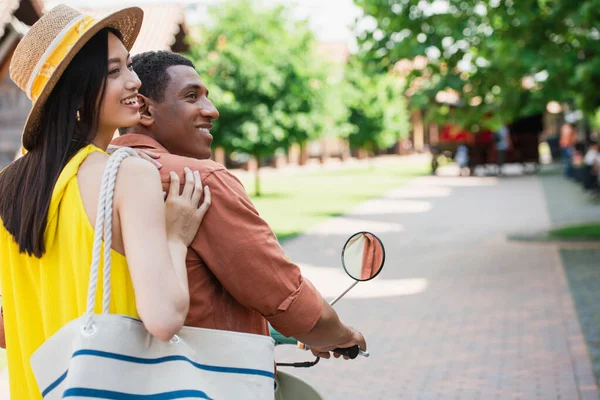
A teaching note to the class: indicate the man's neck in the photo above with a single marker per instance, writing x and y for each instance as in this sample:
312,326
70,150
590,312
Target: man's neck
141,130
139,136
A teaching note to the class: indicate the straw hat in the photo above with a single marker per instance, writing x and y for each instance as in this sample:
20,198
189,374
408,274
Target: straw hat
46,50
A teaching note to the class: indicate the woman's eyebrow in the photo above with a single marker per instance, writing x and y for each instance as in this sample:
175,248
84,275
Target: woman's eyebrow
117,59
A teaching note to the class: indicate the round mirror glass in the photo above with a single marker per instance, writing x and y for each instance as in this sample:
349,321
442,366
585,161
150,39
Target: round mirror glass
363,256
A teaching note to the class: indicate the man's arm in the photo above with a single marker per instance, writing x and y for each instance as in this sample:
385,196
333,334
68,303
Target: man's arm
240,249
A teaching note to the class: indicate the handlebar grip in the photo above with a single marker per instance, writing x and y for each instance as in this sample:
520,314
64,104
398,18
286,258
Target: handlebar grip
350,352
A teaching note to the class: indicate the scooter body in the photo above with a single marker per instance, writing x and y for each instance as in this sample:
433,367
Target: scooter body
290,387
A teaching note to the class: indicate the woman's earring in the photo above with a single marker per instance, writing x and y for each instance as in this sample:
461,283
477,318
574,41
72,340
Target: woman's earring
78,116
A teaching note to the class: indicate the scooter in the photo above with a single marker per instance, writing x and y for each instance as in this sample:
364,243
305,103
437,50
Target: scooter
363,257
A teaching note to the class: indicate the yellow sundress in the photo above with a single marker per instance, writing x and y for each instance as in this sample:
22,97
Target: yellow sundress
40,295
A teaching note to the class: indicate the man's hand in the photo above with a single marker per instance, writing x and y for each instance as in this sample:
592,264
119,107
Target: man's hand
356,338
145,154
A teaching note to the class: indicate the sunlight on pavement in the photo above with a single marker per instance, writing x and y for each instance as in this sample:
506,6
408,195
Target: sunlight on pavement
331,282
390,206
414,191
459,181
349,226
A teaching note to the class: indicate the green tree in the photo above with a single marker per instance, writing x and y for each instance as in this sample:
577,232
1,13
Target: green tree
505,56
378,109
261,69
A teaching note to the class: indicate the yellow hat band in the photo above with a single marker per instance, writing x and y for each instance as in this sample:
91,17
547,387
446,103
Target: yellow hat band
56,52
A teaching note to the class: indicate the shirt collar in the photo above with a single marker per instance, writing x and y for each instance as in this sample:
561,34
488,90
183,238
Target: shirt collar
138,140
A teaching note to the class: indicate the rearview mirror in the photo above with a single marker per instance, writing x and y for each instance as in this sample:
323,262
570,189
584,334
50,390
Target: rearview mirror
363,256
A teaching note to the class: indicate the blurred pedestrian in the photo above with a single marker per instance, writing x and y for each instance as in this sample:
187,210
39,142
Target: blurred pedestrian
462,158
502,143
591,154
590,162
568,137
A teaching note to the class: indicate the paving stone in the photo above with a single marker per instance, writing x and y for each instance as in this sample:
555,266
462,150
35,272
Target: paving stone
494,319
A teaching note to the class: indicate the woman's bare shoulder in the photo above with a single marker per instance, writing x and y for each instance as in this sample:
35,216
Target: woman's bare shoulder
136,166
136,173
136,177
93,165
137,182
131,168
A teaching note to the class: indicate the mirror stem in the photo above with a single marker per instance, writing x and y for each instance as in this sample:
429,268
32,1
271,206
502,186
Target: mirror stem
343,294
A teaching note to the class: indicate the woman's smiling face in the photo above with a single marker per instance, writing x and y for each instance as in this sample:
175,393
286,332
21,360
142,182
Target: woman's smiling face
120,106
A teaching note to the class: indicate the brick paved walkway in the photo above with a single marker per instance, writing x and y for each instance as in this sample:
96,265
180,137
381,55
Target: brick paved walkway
459,312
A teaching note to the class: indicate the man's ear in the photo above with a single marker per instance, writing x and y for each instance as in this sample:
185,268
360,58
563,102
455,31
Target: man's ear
146,108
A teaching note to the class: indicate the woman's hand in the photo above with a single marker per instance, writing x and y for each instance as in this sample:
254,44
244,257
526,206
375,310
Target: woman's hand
184,213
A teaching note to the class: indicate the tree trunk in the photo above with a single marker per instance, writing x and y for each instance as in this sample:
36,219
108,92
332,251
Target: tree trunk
303,154
294,154
257,191
434,134
418,131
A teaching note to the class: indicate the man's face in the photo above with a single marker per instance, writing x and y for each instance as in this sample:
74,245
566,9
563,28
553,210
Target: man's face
183,120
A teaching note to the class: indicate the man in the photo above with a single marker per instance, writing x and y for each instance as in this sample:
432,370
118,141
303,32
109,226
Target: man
239,276
591,154
502,142
590,161
568,138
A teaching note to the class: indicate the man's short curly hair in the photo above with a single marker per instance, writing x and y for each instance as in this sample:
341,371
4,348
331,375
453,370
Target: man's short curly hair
151,68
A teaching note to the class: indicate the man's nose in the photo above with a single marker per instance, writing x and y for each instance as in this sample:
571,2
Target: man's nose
208,109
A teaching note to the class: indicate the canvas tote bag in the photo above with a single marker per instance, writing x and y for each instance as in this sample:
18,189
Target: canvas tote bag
109,356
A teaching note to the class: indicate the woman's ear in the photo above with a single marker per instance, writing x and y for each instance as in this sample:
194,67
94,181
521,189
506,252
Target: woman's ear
146,117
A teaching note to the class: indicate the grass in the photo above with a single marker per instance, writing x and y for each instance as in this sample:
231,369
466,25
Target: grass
583,231
291,204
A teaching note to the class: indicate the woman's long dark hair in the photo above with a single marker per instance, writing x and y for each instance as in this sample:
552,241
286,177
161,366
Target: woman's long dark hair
27,184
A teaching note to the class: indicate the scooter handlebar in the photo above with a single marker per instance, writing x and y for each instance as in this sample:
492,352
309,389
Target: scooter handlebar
350,352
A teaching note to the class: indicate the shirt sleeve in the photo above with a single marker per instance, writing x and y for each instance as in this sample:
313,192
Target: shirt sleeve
240,249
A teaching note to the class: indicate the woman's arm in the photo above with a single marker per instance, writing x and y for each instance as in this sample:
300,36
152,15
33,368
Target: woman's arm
155,239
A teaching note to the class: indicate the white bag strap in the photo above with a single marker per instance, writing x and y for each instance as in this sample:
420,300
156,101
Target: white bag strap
104,228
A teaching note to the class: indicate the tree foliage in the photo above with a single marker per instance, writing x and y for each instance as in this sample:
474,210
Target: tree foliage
508,57
261,69
378,111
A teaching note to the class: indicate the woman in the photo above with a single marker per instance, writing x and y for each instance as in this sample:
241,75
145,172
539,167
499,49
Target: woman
78,74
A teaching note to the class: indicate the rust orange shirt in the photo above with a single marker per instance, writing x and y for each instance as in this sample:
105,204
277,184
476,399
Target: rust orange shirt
568,136
372,260
239,275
